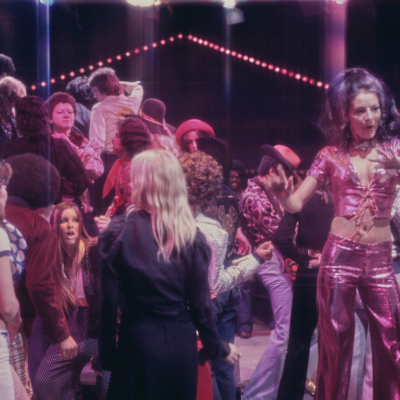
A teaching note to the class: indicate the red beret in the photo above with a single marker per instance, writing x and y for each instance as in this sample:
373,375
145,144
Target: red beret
193,125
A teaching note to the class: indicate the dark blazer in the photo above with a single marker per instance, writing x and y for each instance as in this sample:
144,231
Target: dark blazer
162,305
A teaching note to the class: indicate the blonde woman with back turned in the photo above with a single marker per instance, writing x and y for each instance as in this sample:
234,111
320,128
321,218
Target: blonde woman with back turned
156,258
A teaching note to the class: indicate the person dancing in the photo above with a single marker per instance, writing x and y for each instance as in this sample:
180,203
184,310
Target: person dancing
363,164
77,278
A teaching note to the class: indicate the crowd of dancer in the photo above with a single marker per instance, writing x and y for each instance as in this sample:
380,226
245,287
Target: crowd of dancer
124,242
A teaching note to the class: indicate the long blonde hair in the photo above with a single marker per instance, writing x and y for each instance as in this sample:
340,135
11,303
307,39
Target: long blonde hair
158,186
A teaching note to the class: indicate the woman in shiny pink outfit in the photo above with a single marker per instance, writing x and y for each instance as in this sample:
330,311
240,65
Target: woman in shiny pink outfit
363,164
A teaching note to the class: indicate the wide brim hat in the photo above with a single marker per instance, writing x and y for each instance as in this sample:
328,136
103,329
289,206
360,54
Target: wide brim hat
285,156
193,125
152,113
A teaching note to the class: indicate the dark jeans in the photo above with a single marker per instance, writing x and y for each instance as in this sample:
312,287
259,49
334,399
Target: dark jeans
99,204
225,306
244,318
37,347
303,321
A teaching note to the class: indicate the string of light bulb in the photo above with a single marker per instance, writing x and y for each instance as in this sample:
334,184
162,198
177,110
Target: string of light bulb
194,40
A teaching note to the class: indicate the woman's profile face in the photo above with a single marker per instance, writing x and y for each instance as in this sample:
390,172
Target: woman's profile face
69,228
191,140
364,116
63,117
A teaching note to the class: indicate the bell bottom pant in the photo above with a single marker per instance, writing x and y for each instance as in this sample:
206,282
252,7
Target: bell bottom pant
347,265
264,383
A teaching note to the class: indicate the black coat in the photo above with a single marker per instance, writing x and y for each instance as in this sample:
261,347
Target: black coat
162,306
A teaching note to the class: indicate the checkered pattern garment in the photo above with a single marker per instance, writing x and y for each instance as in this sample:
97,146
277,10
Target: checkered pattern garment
19,360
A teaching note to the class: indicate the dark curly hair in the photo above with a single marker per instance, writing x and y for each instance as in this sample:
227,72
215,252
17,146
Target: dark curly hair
203,177
60,97
106,81
80,90
135,136
342,91
6,65
34,180
31,116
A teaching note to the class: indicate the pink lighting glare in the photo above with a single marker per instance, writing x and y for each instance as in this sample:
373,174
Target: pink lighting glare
216,47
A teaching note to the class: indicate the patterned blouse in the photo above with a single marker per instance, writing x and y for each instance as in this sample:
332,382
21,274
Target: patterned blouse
260,213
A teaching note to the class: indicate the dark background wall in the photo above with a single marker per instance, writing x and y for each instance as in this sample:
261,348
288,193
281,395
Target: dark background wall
246,104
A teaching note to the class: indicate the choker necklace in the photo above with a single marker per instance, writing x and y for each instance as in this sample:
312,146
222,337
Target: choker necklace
363,146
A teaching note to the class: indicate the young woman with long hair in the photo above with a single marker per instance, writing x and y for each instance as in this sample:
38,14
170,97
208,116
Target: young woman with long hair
154,264
363,165
77,277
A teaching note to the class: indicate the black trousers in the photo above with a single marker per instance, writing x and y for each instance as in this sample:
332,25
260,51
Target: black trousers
303,321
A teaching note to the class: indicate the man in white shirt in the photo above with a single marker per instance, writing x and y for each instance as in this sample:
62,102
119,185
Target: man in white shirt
113,105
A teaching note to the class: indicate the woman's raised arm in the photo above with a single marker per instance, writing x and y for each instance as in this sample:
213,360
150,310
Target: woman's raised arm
293,201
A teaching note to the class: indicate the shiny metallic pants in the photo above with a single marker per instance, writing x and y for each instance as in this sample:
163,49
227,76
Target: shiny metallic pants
347,265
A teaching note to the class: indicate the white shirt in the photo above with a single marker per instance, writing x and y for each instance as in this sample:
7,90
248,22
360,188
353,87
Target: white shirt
105,115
